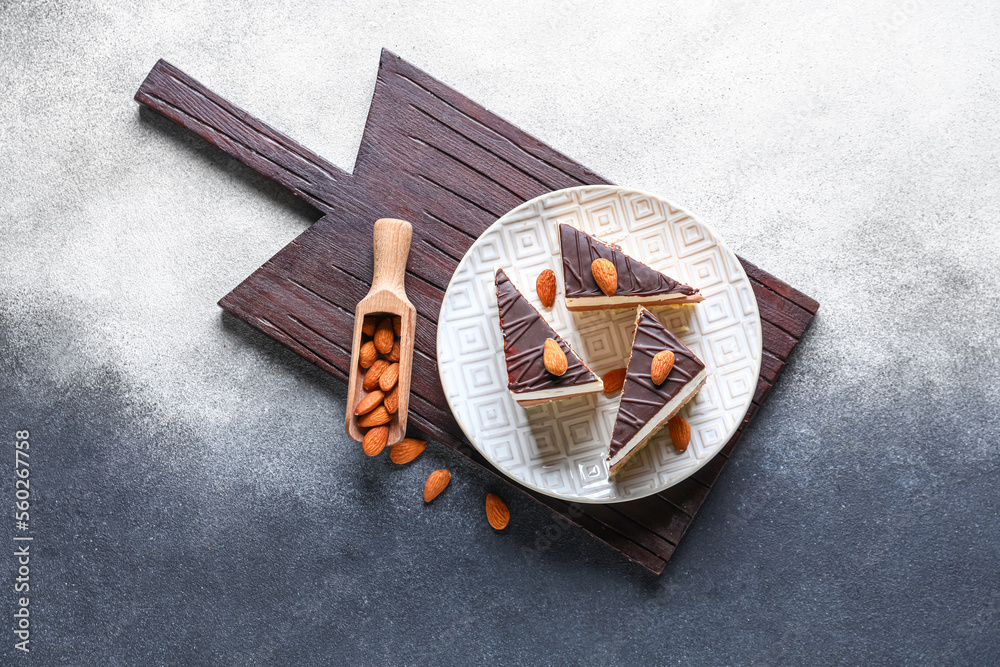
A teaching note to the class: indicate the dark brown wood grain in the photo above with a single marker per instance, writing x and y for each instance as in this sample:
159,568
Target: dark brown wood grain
432,156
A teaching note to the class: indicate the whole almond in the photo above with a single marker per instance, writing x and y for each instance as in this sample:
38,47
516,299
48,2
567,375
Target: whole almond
680,432
614,381
545,287
369,402
393,355
368,328
376,417
375,440
367,355
406,450
496,512
392,400
389,377
373,374
384,337
661,366
397,324
554,358
435,484
606,275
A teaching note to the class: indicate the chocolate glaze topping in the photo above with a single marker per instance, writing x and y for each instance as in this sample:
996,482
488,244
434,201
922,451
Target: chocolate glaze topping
641,399
524,333
579,250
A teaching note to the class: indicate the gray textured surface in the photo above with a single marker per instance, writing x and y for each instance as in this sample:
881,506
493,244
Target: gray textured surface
196,500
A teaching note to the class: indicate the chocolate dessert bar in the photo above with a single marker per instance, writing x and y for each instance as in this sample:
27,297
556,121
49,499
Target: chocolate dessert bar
646,406
632,283
525,332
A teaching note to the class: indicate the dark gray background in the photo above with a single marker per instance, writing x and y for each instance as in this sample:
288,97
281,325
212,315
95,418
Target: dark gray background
196,500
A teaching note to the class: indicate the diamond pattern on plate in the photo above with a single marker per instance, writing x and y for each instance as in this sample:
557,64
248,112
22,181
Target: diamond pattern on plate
653,244
558,448
481,377
646,211
691,237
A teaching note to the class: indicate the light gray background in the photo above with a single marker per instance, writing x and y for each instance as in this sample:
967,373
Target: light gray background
196,498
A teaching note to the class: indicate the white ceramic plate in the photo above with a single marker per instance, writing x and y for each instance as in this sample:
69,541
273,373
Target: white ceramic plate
558,448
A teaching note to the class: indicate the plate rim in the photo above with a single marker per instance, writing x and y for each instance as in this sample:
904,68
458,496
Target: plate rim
538,489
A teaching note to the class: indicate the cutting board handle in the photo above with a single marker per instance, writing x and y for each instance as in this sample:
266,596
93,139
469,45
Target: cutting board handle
392,248
180,98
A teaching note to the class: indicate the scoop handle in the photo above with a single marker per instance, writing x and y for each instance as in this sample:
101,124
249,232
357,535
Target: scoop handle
392,248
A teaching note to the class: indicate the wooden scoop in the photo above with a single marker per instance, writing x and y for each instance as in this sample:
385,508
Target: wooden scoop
386,298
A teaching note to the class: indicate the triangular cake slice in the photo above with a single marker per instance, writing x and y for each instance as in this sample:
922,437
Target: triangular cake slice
638,284
645,406
524,335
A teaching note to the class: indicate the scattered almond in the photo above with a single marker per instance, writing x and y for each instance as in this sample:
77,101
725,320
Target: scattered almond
384,337
554,358
393,355
435,484
375,440
406,450
397,324
368,328
661,366
369,402
614,381
392,400
376,417
606,275
545,287
496,512
389,377
373,374
368,354
680,432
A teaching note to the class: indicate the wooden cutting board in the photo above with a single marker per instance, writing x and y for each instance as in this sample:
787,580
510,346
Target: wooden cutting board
432,156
